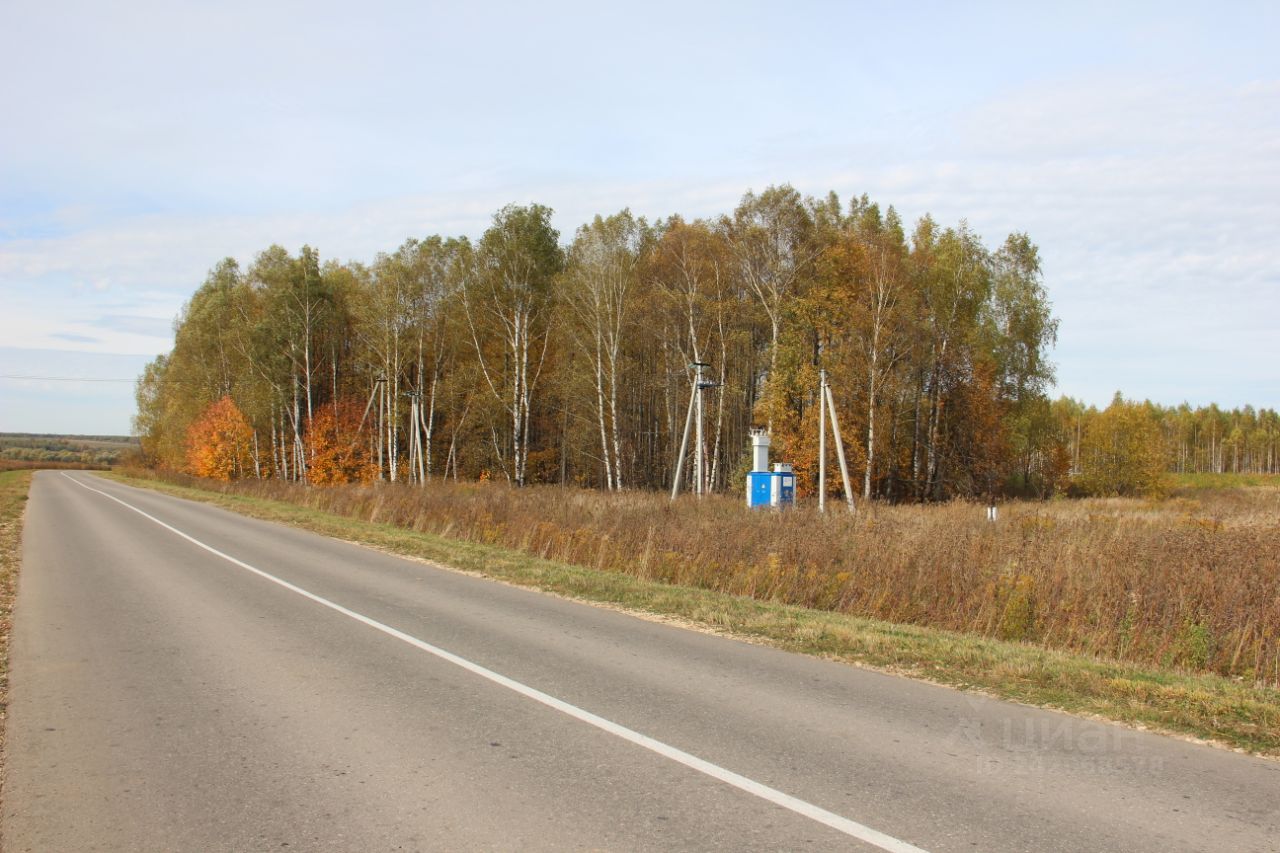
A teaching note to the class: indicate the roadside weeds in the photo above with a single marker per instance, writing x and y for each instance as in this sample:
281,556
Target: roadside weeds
14,486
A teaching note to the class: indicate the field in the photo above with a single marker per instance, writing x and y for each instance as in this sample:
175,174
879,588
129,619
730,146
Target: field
28,451
1190,583
1212,482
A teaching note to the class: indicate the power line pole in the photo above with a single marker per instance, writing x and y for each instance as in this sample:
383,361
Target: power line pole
827,407
699,463
822,441
835,433
694,420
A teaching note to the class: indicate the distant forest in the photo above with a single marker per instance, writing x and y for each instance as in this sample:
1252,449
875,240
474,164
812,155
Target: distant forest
523,358
94,450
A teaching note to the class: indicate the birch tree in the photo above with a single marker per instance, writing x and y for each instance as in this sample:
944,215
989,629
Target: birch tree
294,308
383,322
882,333
508,300
954,282
866,259
434,266
600,278
691,267
770,234
1019,329
490,355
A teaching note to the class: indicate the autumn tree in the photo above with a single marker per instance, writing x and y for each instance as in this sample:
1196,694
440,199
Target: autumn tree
1122,452
383,322
953,277
771,238
218,443
436,269
600,282
508,299
692,272
473,357
1018,329
983,445
339,441
152,422
289,314
863,276
204,366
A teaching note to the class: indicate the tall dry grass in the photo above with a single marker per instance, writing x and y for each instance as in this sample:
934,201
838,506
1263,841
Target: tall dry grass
1190,582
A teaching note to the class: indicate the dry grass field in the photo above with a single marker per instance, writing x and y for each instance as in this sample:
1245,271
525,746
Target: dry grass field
1191,582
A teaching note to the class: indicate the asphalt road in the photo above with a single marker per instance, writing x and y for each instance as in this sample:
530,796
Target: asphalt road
189,679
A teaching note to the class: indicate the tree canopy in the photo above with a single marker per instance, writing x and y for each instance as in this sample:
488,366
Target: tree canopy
519,357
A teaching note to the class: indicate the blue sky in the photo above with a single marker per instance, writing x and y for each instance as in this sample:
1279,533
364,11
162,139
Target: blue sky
1139,145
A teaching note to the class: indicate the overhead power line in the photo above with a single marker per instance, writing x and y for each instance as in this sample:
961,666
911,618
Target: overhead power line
163,380
63,378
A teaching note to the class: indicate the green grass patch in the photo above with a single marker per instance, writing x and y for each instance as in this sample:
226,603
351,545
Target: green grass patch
1230,712
1214,482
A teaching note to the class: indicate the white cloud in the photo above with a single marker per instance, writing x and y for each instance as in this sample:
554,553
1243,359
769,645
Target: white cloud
1155,206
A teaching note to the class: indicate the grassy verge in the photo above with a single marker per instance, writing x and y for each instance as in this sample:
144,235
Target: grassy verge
13,500
1229,712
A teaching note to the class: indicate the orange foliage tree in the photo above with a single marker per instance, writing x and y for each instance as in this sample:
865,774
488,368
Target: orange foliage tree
981,443
340,452
219,442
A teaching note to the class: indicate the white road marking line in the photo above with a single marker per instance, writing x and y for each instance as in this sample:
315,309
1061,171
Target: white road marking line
764,792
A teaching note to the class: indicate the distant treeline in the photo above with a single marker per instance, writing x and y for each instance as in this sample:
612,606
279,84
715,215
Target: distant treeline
54,440
100,451
519,357
1127,447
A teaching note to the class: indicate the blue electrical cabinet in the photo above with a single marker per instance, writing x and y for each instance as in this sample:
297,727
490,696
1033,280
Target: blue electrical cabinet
776,488
759,488
784,487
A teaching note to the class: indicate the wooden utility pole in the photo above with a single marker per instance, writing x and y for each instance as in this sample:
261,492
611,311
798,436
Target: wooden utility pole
694,419
684,447
822,441
699,449
827,406
835,432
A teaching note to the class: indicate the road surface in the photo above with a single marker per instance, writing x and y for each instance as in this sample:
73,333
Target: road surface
187,679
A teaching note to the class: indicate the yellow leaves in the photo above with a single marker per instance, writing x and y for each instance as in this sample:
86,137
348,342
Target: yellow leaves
338,445
1123,452
219,443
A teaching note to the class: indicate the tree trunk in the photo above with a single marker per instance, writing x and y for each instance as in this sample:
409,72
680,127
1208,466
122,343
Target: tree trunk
600,410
